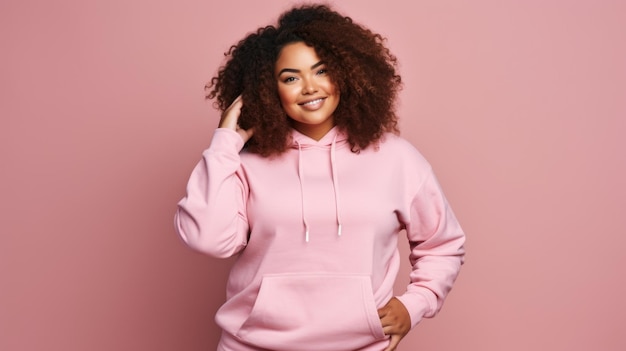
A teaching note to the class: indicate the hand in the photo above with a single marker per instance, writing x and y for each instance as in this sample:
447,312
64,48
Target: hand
395,320
230,119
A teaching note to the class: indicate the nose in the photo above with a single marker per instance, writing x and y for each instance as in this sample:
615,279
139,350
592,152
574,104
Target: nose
309,86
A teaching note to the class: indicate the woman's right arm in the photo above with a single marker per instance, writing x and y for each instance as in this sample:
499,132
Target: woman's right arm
211,218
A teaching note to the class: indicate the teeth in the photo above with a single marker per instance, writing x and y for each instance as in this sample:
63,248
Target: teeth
312,102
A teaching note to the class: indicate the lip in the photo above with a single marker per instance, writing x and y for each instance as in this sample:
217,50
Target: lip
312,101
312,104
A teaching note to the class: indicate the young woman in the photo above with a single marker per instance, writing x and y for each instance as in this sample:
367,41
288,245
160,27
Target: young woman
308,183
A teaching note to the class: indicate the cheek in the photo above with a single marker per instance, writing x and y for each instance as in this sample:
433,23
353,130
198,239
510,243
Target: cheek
331,88
285,94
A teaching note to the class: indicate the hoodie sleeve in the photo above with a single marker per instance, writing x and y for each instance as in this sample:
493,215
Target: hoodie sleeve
437,250
211,218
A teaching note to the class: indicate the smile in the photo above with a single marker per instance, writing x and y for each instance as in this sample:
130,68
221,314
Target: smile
312,102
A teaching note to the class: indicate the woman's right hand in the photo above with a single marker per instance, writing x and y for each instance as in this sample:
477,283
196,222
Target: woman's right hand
230,119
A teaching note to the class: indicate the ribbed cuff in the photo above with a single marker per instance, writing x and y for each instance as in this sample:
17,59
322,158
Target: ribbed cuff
417,305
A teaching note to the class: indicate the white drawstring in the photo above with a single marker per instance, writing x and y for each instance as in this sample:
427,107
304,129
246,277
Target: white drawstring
335,184
300,177
335,187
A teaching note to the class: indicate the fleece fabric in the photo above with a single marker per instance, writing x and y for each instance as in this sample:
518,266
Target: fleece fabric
316,232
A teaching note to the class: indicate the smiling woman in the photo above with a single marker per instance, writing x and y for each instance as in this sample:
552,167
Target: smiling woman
306,183
349,53
306,92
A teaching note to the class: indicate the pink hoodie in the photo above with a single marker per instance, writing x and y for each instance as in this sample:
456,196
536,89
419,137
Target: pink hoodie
316,231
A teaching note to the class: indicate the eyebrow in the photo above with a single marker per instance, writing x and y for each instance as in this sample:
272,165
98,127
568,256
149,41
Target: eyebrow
292,70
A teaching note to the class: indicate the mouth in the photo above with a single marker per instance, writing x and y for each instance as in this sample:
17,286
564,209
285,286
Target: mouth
311,102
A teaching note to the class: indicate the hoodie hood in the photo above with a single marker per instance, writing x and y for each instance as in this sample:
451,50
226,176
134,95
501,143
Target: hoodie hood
330,141
335,135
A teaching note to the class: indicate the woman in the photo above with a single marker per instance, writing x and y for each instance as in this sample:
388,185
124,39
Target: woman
307,182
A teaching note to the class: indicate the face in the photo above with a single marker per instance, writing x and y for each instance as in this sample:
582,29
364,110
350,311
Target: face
306,92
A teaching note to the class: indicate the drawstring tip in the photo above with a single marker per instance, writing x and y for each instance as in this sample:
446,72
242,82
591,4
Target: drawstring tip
306,236
339,230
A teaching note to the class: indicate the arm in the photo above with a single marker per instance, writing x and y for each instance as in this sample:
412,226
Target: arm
212,217
436,241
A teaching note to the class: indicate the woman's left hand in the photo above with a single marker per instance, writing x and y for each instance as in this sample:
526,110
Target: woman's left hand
395,320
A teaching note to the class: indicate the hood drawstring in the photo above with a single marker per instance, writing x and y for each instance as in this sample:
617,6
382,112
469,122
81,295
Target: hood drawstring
300,177
335,184
335,187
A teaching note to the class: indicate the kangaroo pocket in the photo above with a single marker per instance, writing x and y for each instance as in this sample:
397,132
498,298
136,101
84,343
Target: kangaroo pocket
313,312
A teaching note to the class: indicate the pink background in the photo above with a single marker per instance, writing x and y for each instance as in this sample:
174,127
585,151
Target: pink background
519,105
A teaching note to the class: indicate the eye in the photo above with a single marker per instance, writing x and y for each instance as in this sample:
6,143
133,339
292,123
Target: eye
322,71
289,79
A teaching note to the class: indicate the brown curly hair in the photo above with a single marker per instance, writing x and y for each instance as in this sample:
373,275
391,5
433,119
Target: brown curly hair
358,62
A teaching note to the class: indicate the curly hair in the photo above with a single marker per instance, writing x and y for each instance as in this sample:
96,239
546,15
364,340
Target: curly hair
359,64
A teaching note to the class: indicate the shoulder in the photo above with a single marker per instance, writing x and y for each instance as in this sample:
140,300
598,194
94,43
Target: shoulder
404,150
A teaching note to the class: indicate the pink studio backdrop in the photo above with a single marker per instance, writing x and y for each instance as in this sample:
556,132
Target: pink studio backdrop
519,105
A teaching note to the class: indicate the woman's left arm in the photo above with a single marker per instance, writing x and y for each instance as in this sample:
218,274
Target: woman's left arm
436,240
437,250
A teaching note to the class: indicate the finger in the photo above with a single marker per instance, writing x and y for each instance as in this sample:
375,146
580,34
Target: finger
245,134
237,103
382,312
231,115
395,340
386,322
390,329
234,109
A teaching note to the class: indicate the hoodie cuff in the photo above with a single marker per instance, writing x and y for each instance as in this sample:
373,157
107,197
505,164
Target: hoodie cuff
417,305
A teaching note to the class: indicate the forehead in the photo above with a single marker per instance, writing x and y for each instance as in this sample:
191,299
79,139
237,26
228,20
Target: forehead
296,55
